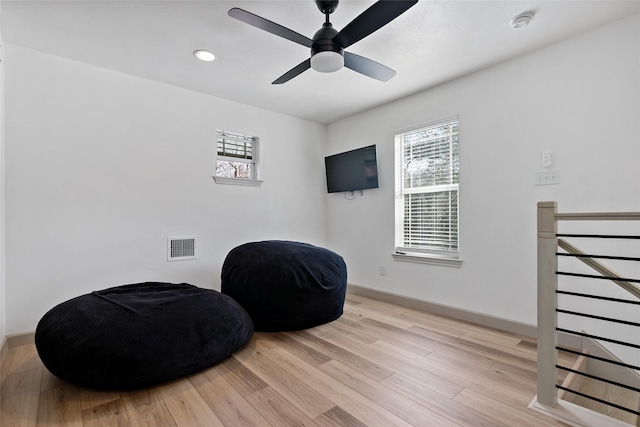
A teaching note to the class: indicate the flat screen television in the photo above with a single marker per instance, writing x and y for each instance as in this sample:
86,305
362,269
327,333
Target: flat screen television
352,170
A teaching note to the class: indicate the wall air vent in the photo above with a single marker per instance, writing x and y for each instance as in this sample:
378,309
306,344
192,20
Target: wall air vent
181,248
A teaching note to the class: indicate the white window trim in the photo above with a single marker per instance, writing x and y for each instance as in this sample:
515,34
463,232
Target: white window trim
237,181
425,256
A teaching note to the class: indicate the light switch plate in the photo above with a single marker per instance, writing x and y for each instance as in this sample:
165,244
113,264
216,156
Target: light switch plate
549,177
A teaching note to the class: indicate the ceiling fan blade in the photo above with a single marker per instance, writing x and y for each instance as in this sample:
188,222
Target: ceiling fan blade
368,67
372,19
271,27
298,69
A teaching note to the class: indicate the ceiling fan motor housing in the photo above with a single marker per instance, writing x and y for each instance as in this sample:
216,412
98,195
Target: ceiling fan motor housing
326,55
323,40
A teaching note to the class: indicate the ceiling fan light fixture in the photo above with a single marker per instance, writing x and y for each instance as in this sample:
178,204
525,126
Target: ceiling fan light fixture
327,61
204,55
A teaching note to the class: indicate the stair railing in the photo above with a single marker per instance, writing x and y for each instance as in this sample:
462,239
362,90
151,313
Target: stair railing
549,241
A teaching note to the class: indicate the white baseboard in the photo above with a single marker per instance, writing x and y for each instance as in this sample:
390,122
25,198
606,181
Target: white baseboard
520,328
495,322
15,340
4,348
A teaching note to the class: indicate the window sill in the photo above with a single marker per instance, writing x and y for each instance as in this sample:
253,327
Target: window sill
427,259
237,181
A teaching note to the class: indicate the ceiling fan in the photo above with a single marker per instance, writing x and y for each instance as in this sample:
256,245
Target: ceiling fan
328,45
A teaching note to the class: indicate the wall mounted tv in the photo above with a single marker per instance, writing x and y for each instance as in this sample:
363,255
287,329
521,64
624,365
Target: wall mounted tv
352,170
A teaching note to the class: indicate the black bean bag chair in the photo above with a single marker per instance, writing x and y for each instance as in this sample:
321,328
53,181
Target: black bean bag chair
139,335
285,286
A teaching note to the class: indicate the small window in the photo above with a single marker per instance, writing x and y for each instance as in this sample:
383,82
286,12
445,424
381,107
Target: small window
237,155
427,187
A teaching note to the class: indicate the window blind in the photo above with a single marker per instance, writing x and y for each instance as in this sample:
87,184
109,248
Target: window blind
428,182
431,221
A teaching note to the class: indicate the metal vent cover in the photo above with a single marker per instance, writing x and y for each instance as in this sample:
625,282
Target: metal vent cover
181,248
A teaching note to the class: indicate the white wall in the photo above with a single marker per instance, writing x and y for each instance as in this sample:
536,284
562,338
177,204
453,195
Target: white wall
103,166
2,281
579,98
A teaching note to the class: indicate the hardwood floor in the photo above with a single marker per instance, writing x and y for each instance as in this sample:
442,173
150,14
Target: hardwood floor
380,364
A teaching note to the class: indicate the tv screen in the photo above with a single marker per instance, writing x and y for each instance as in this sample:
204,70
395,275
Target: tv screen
352,170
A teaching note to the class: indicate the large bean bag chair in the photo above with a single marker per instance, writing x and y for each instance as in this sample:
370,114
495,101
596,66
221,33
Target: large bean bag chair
139,335
285,286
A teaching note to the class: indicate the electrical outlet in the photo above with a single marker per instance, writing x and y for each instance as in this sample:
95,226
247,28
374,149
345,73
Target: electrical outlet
383,270
549,177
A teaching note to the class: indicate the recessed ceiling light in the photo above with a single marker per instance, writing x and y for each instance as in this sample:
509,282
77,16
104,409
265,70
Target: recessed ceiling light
204,55
521,20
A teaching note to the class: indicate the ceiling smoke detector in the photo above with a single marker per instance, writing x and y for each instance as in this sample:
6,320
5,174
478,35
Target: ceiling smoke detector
521,20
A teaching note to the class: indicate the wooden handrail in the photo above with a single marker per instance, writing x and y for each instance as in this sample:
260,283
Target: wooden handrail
600,268
599,216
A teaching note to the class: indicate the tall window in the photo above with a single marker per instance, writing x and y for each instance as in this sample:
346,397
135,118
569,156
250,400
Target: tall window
237,155
427,173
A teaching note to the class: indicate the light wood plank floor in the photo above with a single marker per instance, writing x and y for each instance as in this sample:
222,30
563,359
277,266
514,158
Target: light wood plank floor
380,364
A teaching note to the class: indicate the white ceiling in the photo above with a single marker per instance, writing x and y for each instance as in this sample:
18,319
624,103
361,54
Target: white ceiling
431,43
